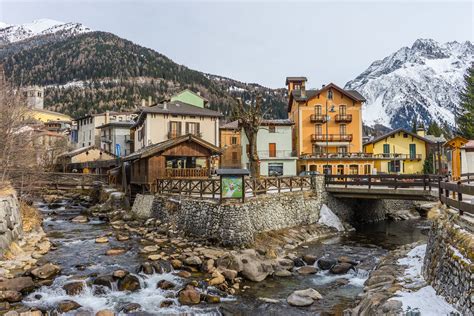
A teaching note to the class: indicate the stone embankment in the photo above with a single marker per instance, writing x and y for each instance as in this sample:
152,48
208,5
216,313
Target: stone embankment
449,260
10,219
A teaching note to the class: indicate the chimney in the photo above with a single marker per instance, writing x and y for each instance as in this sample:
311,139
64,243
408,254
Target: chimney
420,131
143,103
303,90
165,106
107,115
323,85
198,93
149,100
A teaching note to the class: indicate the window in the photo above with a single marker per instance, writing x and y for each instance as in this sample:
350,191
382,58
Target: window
412,151
386,150
192,128
354,169
394,166
271,129
340,169
174,129
272,150
90,135
233,140
318,110
367,169
342,149
342,110
405,135
343,129
318,150
329,94
297,86
275,169
318,129
327,169
247,149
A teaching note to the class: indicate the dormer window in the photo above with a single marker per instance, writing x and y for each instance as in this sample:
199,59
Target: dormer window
329,94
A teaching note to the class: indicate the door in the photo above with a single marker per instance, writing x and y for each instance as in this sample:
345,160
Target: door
412,151
386,150
272,149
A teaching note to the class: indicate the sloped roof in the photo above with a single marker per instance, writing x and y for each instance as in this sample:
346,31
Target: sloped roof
398,130
469,144
353,94
231,125
81,150
153,149
281,122
301,78
126,124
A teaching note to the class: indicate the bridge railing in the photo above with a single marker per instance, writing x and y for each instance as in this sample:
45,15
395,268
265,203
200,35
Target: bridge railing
382,180
467,177
459,190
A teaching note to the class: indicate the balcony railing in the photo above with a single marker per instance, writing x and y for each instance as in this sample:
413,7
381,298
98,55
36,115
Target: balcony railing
128,139
187,172
317,118
391,156
174,134
399,156
343,118
331,137
276,154
105,139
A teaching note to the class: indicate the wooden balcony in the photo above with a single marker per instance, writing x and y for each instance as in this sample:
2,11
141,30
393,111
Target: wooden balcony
186,173
331,137
317,118
343,118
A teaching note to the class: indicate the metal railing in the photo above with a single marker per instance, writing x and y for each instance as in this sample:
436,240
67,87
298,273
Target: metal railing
331,137
318,118
343,118
276,154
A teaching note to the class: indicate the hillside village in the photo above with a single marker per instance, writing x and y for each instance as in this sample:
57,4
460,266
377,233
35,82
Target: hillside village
199,194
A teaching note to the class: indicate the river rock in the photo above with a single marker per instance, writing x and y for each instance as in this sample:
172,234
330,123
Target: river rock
184,274
212,299
341,268
73,288
154,257
165,285
208,266
166,303
326,263
309,259
130,307
104,280
307,270
146,268
148,249
67,306
229,274
177,264
303,297
105,312
102,240
189,296
20,284
10,296
121,237
129,283
345,259
46,271
283,273
254,271
392,307
80,219
120,274
115,251
193,261
217,278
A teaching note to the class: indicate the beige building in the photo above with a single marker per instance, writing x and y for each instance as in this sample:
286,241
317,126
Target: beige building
161,122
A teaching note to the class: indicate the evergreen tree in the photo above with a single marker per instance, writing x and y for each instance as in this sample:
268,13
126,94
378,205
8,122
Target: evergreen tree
414,126
434,129
465,115
428,165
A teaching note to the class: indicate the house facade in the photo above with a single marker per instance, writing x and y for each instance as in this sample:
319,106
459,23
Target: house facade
190,97
115,138
230,143
327,133
88,133
79,159
274,149
467,157
399,151
161,122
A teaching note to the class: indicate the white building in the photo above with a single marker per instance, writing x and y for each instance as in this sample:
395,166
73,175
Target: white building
274,148
34,97
115,138
467,157
87,132
168,120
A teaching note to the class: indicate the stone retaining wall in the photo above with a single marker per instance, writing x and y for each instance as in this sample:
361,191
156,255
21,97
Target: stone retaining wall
449,260
10,221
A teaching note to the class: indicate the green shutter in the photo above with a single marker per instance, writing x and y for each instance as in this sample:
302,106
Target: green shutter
412,151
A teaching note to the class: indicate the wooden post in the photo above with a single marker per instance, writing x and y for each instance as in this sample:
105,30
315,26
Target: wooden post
243,189
395,180
370,180
424,182
440,190
446,191
459,198
345,181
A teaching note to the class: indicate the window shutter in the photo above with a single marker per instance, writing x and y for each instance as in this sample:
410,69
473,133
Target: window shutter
179,129
198,130
187,128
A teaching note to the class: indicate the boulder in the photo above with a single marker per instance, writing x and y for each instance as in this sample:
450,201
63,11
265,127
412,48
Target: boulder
115,251
105,312
73,288
67,306
184,274
193,261
217,278
341,268
129,283
46,271
130,307
10,296
307,270
80,219
189,296
309,259
229,274
326,263
208,266
146,268
176,264
254,271
165,285
303,297
212,299
102,240
119,274
104,280
299,262
20,284
345,259
282,273
166,303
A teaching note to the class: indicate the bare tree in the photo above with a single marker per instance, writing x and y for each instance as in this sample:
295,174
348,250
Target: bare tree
250,117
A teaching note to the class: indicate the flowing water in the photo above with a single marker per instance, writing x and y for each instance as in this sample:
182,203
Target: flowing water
80,258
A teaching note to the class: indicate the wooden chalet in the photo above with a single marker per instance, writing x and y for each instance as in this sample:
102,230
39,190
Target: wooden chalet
186,156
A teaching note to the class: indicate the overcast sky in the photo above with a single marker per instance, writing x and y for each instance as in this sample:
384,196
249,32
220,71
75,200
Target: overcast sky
264,41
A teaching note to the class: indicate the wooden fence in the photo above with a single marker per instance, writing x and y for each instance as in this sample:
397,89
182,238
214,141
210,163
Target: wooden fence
211,187
467,177
459,190
383,180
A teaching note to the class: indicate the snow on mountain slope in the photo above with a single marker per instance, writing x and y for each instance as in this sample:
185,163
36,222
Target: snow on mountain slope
15,33
421,81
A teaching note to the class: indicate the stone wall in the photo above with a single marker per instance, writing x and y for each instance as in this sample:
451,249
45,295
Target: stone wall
10,220
449,259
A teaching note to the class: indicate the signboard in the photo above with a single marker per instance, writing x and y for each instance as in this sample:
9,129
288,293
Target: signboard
232,186
117,150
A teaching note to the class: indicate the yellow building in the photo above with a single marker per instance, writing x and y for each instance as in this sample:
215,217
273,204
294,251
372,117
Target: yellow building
327,135
47,116
399,151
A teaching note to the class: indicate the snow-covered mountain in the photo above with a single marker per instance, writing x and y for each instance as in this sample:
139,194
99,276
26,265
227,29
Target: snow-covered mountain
10,33
421,81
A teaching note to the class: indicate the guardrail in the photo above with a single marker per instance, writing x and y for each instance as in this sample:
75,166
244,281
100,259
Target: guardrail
386,180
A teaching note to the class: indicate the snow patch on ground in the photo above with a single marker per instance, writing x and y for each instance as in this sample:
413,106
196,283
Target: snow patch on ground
416,295
328,218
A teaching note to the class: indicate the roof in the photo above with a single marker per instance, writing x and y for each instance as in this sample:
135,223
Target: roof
277,122
456,142
469,144
231,125
78,151
51,112
126,124
152,150
301,78
101,114
353,94
188,90
398,130
177,108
